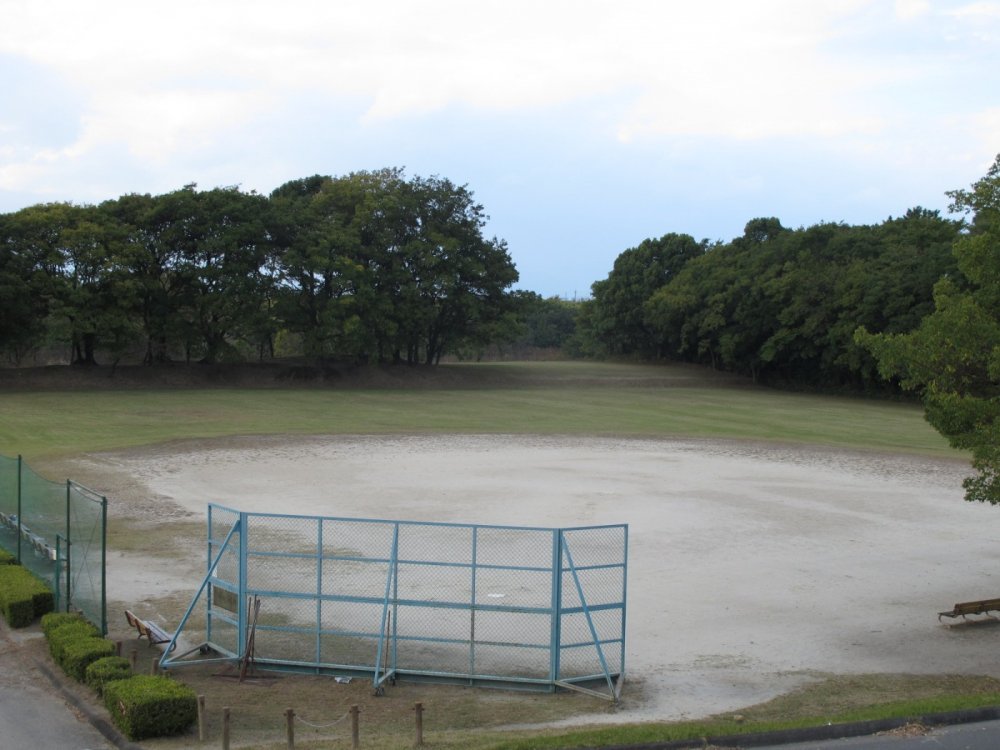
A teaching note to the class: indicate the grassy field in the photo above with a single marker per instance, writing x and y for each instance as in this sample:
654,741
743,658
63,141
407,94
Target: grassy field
525,398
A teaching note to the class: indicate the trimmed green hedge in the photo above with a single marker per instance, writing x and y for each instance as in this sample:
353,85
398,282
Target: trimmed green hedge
68,633
150,706
141,706
23,598
107,669
55,620
78,655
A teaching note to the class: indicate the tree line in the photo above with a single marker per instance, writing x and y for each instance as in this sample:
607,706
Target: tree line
370,267
777,304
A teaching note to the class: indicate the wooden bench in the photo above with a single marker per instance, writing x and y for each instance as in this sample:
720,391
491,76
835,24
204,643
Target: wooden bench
963,609
148,630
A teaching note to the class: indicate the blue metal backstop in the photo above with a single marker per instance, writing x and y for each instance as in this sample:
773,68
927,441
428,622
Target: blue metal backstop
534,608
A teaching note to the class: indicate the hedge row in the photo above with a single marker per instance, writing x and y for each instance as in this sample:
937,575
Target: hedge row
6,558
141,706
23,598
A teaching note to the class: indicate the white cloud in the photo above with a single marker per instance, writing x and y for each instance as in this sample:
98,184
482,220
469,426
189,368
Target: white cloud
171,85
981,10
721,67
910,9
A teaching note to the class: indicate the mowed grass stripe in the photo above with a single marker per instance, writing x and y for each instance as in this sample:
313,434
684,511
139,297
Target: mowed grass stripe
61,423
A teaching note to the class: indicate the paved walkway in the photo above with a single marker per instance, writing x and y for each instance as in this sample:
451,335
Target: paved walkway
979,736
33,712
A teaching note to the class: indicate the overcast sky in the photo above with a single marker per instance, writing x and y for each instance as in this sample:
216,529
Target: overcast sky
582,126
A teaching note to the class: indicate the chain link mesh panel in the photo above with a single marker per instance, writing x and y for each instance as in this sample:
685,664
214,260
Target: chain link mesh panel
86,553
58,532
421,600
9,470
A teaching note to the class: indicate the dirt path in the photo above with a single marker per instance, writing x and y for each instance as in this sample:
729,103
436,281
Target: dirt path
752,567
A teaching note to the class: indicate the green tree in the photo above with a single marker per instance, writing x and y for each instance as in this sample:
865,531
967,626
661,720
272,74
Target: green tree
95,298
716,309
26,265
457,280
223,264
379,268
150,245
953,357
619,320
333,236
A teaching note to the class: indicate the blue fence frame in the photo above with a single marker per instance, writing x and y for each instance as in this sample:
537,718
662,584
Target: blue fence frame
526,607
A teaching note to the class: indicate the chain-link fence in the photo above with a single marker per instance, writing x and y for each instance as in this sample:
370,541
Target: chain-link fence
57,531
532,607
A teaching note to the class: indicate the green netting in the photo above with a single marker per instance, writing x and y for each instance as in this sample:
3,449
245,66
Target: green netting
57,531
8,485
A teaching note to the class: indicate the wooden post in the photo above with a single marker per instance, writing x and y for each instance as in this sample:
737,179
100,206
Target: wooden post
290,727
355,733
154,667
133,657
118,648
418,709
201,718
225,728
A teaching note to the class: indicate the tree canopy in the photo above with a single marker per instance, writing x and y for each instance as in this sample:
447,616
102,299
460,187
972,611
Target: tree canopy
371,267
953,356
778,304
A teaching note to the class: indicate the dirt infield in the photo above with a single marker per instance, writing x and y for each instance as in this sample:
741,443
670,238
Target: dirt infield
753,567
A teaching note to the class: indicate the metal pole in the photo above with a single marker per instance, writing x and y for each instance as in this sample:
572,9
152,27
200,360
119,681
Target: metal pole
556,605
57,576
472,596
20,511
242,597
69,545
104,565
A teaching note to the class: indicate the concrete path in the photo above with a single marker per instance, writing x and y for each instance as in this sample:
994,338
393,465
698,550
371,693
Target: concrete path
33,713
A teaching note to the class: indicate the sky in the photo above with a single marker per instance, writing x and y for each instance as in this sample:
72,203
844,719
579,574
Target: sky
582,126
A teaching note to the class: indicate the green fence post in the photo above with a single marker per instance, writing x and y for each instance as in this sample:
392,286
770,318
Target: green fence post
56,583
104,567
69,545
20,512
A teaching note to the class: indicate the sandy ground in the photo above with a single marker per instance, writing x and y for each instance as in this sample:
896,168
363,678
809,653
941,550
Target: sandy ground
752,568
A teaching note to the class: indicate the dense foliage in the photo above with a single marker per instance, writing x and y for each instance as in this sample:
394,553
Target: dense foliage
778,304
371,267
953,356
23,597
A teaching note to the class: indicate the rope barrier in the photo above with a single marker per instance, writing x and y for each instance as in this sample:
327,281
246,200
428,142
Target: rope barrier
323,726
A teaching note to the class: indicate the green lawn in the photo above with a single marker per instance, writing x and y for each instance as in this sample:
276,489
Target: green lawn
523,398
546,398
